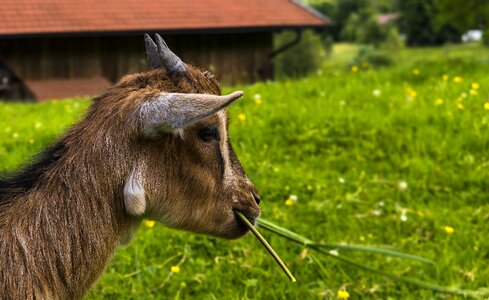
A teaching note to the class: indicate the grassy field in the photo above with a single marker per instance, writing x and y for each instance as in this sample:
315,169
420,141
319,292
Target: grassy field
396,157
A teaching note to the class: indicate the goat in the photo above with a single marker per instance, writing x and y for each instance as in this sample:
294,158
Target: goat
155,145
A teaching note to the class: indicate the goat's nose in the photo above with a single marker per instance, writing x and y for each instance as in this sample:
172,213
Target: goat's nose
256,197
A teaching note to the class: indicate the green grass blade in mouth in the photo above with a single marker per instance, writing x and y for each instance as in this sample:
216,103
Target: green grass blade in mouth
266,245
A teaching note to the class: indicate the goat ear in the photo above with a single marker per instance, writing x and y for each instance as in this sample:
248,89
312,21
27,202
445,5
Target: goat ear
171,111
134,195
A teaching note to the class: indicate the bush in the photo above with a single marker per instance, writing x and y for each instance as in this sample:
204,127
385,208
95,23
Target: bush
328,43
364,29
371,32
368,56
350,31
301,59
393,41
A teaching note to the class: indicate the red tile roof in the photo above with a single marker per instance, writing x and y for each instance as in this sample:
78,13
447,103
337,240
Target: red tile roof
64,88
27,17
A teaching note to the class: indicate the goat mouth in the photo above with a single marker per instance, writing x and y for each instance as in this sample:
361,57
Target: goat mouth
250,218
238,228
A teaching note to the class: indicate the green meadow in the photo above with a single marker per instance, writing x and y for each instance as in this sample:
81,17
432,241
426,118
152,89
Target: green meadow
396,157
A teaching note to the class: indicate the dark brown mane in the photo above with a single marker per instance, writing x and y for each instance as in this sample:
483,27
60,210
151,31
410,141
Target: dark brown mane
15,184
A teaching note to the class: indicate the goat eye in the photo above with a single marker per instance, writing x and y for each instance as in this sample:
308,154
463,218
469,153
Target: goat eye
208,134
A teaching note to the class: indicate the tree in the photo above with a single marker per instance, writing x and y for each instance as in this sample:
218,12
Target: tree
365,29
339,11
463,14
420,23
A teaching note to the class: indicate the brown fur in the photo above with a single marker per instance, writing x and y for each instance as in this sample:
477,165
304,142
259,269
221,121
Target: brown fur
62,218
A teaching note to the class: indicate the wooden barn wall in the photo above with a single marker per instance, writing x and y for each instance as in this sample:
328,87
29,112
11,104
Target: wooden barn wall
234,58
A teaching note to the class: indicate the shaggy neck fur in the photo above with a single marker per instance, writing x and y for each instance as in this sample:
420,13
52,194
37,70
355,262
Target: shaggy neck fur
62,218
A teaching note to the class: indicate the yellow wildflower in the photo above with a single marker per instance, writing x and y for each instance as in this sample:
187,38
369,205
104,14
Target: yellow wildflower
291,200
460,106
31,141
445,77
448,229
175,269
354,69
457,79
416,72
486,106
149,223
257,98
342,294
242,117
439,101
475,86
411,93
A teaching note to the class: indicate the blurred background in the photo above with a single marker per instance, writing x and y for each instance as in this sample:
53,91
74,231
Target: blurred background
57,49
364,122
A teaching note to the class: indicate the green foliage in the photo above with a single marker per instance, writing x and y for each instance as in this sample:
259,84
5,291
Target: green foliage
341,12
368,56
350,29
463,14
301,59
425,22
364,29
371,32
422,26
392,41
374,158
328,44
485,37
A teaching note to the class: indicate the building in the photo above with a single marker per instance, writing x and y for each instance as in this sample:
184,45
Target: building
61,48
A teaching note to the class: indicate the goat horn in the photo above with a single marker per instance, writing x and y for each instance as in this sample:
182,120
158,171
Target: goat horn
170,111
152,52
172,63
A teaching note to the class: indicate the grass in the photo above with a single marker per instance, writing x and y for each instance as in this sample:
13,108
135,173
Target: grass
392,169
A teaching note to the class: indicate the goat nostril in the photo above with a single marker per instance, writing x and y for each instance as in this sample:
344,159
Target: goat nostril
256,197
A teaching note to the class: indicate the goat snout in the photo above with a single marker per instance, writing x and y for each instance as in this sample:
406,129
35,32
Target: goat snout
250,209
248,205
